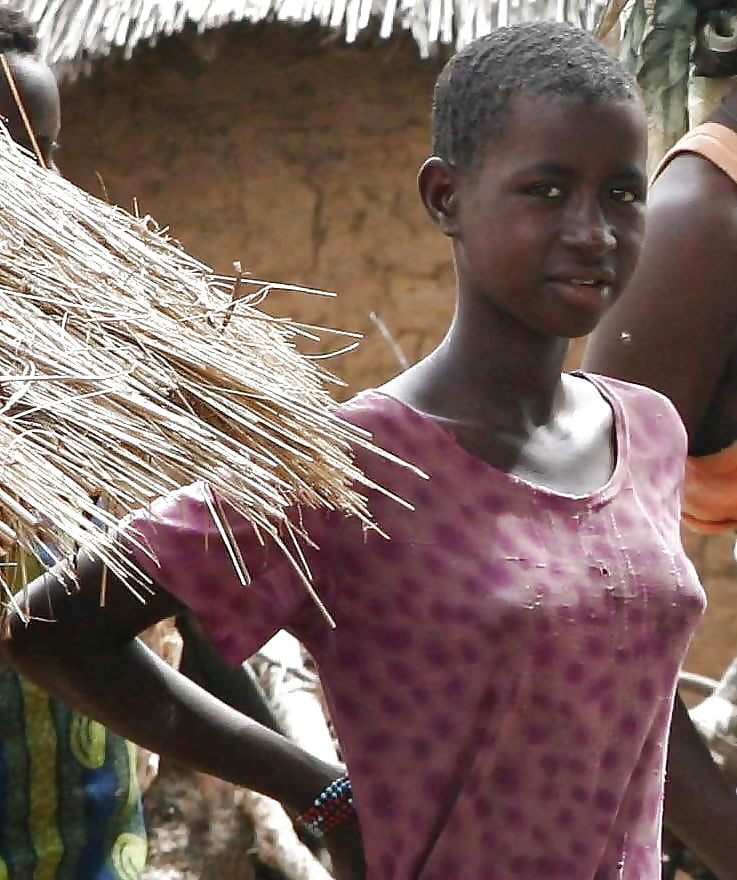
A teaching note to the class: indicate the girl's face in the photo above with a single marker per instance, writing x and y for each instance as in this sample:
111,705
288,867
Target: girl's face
549,226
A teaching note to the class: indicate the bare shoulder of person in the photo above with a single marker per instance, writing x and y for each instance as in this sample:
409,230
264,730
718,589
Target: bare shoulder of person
700,189
673,327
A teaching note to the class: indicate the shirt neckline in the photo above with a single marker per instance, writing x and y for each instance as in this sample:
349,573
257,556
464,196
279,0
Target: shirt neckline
599,496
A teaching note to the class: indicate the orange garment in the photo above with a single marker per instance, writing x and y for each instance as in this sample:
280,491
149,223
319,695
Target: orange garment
714,142
710,491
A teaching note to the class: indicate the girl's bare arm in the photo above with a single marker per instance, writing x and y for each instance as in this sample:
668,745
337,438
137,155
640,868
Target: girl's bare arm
90,658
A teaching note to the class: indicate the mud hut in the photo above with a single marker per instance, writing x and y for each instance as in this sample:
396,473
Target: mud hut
285,135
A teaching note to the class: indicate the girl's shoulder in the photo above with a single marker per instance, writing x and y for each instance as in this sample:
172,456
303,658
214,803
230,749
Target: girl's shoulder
404,443
649,416
368,405
631,392
385,417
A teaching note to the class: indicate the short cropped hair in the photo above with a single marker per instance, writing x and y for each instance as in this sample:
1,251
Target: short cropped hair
17,34
474,90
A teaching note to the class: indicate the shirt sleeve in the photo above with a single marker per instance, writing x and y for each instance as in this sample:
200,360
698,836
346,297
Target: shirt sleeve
177,542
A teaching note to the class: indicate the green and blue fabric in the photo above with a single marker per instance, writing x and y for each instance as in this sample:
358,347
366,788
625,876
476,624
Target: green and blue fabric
70,806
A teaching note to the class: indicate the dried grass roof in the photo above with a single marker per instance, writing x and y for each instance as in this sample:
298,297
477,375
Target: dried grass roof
75,32
128,369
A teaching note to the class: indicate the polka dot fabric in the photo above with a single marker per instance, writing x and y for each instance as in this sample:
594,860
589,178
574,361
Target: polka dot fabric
503,669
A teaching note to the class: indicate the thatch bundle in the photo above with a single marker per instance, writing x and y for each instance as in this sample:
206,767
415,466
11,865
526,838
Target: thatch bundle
128,369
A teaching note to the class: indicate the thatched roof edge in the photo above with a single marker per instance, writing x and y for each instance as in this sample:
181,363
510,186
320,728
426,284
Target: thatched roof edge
74,33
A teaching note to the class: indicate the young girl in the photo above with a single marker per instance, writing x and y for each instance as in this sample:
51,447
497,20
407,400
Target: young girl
502,671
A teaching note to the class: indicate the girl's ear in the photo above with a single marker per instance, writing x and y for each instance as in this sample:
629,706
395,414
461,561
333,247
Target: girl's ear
438,183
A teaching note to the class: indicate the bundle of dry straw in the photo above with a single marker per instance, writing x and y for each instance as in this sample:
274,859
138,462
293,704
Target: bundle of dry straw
128,369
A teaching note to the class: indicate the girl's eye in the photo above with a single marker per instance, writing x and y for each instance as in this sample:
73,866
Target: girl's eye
626,196
545,191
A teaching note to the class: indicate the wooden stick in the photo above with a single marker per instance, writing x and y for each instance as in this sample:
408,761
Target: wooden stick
21,109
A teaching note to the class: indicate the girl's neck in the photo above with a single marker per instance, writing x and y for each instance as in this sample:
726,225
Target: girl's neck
488,369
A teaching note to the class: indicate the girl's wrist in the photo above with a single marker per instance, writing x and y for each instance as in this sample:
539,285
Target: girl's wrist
313,782
273,765
331,808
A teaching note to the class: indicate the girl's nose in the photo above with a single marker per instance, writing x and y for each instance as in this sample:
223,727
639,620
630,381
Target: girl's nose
587,229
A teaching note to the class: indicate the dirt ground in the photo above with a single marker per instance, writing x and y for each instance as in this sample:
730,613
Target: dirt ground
194,835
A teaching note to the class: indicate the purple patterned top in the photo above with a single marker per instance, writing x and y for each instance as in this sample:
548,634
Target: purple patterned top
502,672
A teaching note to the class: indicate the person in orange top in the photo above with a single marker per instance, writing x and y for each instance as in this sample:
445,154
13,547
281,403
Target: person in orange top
710,489
675,330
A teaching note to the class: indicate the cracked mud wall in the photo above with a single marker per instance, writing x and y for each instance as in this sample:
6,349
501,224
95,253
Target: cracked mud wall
284,149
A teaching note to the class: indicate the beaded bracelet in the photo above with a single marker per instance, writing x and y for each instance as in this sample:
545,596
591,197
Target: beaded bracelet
331,808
